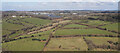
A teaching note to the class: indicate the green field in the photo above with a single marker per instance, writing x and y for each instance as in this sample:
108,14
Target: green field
33,32
74,25
26,44
82,32
101,40
111,27
37,21
27,22
92,22
67,44
96,22
9,26
4,32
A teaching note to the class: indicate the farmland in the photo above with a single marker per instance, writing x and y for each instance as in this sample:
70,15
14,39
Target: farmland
67,44
114,26
82,32
26,44
31,32
74,25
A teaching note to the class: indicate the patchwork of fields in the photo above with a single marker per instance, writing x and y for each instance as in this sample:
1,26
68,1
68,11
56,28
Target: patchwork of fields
36,34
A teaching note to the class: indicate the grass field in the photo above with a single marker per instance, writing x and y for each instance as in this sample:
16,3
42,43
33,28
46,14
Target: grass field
96,22
5,32
111,27
37,21
35,38
10,26
44,35
67,44
92,22
74,25
82,32
99,49
16,34
101,40
24,45
7,28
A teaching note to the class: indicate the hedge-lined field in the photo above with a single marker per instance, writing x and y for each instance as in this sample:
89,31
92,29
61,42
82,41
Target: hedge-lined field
69,33
102,40
37,21
26,44
113,26
102,43
82,32
16,25
67,44
74,25
10,26
92,22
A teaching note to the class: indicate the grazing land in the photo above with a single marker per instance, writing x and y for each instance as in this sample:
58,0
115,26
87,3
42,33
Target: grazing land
111,27
72,31
82,32
66,44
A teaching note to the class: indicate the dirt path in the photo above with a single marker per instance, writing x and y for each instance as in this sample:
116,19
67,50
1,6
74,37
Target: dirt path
49,27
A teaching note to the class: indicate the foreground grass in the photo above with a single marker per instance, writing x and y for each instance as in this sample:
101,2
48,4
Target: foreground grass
24,45
100,49
67,44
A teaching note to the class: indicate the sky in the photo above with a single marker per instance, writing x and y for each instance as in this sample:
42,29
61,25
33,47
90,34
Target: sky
60,0
27,5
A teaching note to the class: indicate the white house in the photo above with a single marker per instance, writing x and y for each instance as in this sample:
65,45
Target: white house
13,16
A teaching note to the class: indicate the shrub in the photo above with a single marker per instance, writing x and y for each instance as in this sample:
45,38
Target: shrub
44,39
39,35
32,36
116,43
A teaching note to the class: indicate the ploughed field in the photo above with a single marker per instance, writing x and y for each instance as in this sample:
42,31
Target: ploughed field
36,34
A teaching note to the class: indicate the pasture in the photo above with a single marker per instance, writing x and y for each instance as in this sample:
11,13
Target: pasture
102,40
61,32
23,45
66,44
92,22
69,33
37,21
113,26
74,25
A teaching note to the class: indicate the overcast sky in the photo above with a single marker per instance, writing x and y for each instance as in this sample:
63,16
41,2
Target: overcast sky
60,0
26,5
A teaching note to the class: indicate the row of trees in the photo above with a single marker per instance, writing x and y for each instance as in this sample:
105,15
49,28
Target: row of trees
8,40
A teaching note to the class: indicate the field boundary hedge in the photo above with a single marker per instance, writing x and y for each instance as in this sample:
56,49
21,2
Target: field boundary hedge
89,35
